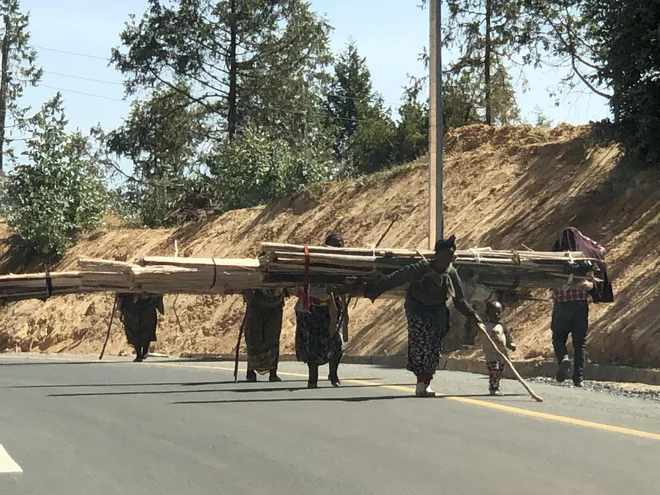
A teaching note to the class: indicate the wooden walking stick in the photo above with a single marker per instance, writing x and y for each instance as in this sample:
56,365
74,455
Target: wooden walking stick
238,347
537,398
112,317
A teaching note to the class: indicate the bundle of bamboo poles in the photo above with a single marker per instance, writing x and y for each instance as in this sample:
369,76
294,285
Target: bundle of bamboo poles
287,266
500,270
45,285
161,275
158,275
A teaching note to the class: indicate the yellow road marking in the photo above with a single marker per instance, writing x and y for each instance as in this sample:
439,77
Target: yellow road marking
475,402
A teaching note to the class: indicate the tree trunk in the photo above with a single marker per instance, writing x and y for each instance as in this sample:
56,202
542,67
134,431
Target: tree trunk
487,61
233,72
4,85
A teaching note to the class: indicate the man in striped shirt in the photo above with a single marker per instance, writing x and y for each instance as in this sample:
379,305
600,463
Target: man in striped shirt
570,314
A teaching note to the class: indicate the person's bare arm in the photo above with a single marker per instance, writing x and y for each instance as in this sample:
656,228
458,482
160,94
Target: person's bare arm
509,338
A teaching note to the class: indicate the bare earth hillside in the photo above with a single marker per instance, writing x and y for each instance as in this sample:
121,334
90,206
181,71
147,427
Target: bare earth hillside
504,188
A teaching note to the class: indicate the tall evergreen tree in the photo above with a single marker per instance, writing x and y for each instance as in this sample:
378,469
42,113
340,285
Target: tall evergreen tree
412,130
243,61
486,32
161,137
564,35
360,122
627,53
18,69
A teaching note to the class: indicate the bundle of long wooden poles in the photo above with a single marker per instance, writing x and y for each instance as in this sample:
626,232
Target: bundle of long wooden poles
158,275
500,270
285,265
161,275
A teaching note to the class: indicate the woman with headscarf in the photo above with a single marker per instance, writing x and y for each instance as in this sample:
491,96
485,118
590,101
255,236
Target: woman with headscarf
570,313
431,285
320,322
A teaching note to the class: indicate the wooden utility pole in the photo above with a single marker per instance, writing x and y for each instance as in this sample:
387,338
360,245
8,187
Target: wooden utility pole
233,72
4,86
435,125
487,62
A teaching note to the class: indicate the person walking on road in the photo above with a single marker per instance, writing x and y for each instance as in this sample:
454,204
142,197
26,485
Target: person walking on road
570,313
263,327
501,336
320,325
138,313
431,285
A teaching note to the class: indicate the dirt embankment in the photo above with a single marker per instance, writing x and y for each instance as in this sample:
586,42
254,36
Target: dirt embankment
504,188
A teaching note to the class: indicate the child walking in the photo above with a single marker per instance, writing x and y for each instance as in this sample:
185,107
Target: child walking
502,338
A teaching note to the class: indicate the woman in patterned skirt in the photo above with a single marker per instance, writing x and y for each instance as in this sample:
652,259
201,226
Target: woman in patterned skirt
431,285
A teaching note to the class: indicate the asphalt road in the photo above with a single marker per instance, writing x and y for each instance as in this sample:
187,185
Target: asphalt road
77,426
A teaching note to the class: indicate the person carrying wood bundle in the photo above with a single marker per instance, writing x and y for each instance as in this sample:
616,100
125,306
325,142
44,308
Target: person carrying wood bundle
570,313
263,327
430,286
138,313
321,321
502,338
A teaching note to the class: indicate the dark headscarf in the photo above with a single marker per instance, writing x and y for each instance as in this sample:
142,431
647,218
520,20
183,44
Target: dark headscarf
335,240
571,239
444,244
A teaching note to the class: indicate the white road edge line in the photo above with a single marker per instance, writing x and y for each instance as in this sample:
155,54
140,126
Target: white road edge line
7,464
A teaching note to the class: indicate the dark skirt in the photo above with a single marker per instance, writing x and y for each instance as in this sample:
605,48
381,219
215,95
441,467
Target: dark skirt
263,327
314,344
140,328
140,318
425,334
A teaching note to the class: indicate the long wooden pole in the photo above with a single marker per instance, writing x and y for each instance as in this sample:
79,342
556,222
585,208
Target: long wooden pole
107,337
238,347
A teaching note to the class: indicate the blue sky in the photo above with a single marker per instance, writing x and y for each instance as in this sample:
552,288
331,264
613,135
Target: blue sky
390,33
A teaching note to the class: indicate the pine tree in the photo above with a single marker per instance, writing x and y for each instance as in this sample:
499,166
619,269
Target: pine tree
257,62
412,130
360,122
161,137
486,32
17,70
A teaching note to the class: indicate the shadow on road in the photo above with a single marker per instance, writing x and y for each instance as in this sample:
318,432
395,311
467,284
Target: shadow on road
235,390
335,399
127,385
124,360
53,363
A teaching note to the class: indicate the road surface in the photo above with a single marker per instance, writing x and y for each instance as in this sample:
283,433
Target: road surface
72,425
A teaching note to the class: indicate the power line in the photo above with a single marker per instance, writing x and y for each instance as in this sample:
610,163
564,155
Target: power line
78,54
71,76
81,93
111,82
